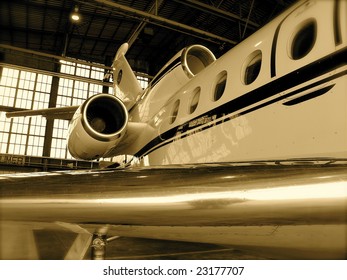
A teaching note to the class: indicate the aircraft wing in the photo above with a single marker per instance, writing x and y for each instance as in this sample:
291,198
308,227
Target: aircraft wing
63,113
294,208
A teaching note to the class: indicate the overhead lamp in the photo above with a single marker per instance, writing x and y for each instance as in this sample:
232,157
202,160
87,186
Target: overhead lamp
75,16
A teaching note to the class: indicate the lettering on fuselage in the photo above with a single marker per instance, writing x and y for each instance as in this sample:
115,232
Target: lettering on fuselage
201,121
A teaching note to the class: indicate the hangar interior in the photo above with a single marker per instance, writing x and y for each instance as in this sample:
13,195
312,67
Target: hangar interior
47,59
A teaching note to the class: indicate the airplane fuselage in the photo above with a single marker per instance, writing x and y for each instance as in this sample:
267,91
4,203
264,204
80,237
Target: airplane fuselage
279,94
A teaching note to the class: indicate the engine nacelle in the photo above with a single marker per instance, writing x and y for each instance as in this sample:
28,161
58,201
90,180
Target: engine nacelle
195,58
97,127
180,69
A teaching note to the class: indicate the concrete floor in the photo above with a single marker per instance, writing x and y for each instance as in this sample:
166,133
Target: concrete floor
53,245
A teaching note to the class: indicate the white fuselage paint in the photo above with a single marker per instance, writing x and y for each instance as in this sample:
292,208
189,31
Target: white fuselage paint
265,128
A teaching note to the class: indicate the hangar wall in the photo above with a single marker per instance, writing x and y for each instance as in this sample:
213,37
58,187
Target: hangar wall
30,80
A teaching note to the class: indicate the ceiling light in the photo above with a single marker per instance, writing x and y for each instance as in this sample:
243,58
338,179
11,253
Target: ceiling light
75,16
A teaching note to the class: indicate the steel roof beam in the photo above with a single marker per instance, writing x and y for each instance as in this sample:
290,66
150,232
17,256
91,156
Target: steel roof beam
167,23
216,11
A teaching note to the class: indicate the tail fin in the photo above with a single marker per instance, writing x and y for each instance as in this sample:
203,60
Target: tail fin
126,86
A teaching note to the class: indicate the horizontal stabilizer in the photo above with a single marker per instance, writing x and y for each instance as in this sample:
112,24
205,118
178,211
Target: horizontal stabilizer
63,113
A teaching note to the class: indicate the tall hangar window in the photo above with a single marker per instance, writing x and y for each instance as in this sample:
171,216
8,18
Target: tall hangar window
23,90
143,81
72,92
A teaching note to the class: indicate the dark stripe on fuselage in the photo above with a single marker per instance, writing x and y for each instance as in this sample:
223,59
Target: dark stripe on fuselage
273,52
337,26
309,96
290,80
170,67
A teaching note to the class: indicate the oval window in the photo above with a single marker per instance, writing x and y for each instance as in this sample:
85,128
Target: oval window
119,77
194,100
174,111
252,67
304,39
220,85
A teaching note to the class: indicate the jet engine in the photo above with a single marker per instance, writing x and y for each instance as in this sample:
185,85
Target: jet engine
185,65
97,127
195,58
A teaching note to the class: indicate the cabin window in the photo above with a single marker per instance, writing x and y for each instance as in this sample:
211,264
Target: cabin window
195,96
220,85
252,67
304,39
174,111
119,77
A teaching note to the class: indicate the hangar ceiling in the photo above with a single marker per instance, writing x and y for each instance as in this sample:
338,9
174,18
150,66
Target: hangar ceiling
156,29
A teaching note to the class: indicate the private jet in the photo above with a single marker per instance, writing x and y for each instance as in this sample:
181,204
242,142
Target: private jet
248,150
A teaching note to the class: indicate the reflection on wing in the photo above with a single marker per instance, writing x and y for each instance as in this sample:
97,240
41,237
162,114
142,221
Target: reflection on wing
297,207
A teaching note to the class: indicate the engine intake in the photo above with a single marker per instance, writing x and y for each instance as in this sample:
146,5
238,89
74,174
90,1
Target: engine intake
195,58
97,127
104,117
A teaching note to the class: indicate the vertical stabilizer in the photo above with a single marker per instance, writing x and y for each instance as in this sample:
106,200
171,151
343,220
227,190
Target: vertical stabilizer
126,85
